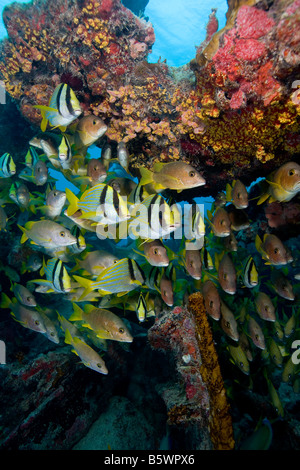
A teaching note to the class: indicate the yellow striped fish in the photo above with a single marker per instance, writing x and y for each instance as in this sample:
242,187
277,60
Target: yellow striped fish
101,203
120,278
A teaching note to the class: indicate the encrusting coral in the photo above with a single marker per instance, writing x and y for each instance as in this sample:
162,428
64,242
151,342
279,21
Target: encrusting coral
240,115
187,334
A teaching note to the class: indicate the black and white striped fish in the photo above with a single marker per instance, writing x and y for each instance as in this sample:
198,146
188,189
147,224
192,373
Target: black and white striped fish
63,108
7,166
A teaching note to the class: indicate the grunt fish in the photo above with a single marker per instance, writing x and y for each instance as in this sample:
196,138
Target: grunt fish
226,274
273,250
239,358
282,285
89,357
256,333
88,130
23,295
173,175
63,108
237,194
155,253
220,222
47,234
265,307
29,318
106,324
284,184
212,300
228,322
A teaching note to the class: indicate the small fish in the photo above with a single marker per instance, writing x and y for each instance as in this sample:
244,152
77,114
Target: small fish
89,357
212,299
278,330
141,308
220,222
275,353
256,333
194,225
96,171
57,276
63,108
124,186
272,249
290,326
238,218
230,242
250,276
65,153
226,274
20,195
88,130
228,322
284,183
94,262
29,318
260,439
31,157
193,263
274,396
154,218
123,155
207,259
265,307
106,155
239,357
121,277
289,371
33,263
55,201
23,295
173,175
166,291
220,199
51,331
282,285
3,219
40,171
7,166
237,194
155,253
138,194
99,203
245,345
47,233
106,324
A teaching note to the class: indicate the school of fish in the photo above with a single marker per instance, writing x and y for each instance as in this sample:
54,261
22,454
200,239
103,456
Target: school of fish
108,243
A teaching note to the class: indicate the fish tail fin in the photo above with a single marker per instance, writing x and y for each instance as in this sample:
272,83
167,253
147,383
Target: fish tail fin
228,192
146,176
73,200
86,283
263,198
77,313
258,242
5,301
68,337
24,236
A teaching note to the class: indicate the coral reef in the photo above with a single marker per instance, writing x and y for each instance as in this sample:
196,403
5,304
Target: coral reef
187,334
245,76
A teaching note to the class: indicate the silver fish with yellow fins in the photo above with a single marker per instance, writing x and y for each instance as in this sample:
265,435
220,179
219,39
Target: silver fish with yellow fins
284,183
239,358
173,175
89,357
29,318
63,108
106,324
47,233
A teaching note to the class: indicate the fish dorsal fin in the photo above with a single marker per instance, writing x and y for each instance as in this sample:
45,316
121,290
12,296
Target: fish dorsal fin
228,192
158,166
89,308
258,242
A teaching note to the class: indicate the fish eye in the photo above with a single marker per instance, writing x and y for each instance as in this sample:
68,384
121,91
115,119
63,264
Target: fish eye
62,234
267,308
55,193
155,251
239,195
52,333
227,324
115,261
94,122
192,173
28,298
241,365
222,222
225,276
37,322
276,250
95,168
99,365
121,330
256,336
211,304
292,172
